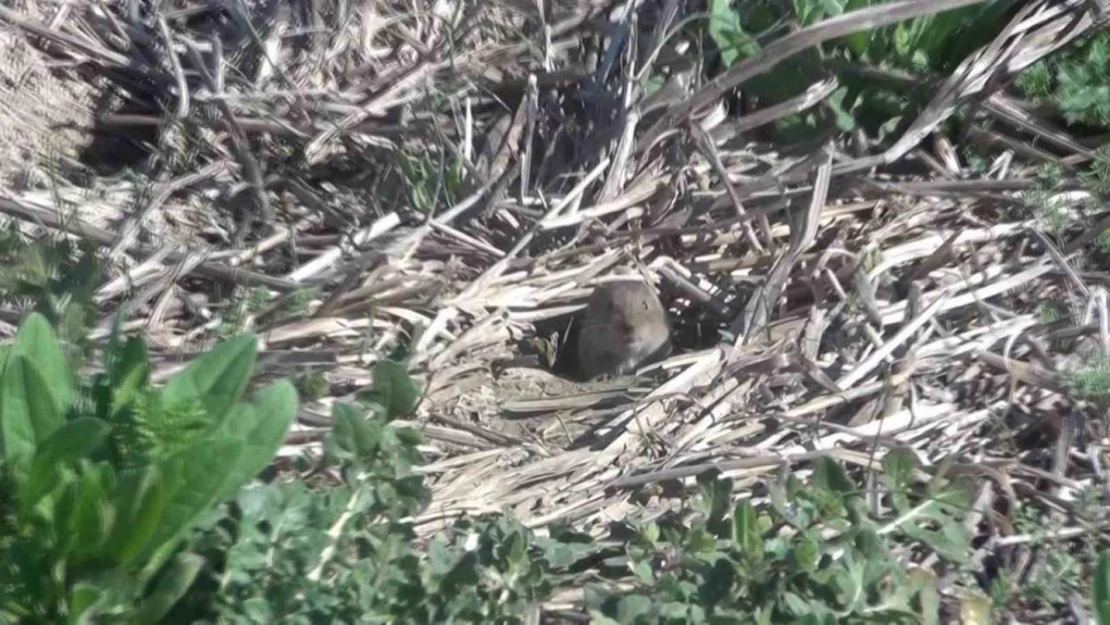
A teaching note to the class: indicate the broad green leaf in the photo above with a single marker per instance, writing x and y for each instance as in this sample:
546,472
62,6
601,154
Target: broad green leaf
37,342
171,586
139,501
73,441
28,412
1100,592
727,32
898,468
746,535
129,374
844,119
216,379
15,420
344,421
830,476
93,516
262,428
601,619
123,358
807,551
83,598
631,607
47,415
924,582
196,476
353,433
392,379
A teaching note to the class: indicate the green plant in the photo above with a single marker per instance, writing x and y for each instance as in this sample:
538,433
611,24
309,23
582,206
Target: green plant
1091,381
1049,182
1074,80
55,278
311,385
1100,592
427,180
1060,567
317,549
100,481
1096,178
815,556
929,47
346,551
245,303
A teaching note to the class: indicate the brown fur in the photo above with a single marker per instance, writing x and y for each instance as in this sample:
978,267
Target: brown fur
624,326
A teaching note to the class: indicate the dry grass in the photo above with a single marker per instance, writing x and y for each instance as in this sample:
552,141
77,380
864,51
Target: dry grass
862,310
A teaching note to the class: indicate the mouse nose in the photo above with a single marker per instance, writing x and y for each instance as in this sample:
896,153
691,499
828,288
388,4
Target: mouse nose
626,330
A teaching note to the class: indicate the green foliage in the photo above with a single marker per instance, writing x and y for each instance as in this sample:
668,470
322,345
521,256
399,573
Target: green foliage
1074,80
346,552
1050,311
1091,381
55,278
311,385
1100,595
393,393
1036,81
100,481
1096,179
931,47
1049,182
1064,565
427,180
727,31
831,563
244,304
100,486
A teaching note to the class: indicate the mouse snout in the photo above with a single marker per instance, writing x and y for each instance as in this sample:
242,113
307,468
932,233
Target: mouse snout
622,331
631,334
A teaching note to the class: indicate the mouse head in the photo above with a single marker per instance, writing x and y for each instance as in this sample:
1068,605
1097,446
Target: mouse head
632,311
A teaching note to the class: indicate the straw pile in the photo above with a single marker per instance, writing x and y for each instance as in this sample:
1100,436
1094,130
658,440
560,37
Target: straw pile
457,177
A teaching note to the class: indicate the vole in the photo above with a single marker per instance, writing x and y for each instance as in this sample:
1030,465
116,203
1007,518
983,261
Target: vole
624,326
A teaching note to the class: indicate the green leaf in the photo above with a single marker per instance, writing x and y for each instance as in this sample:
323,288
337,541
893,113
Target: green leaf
807,551
1100,593
830,476
354,435
139,501
93,515
37,342
171,586
72,442
28,412
342,437
262,429
18,432
727,32
844,119
121,360
129,373
393,381
196,476
631,607
83,598
216,379
925,583
898,468
746,534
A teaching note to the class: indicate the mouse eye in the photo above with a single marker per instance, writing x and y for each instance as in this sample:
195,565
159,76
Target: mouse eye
646,307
